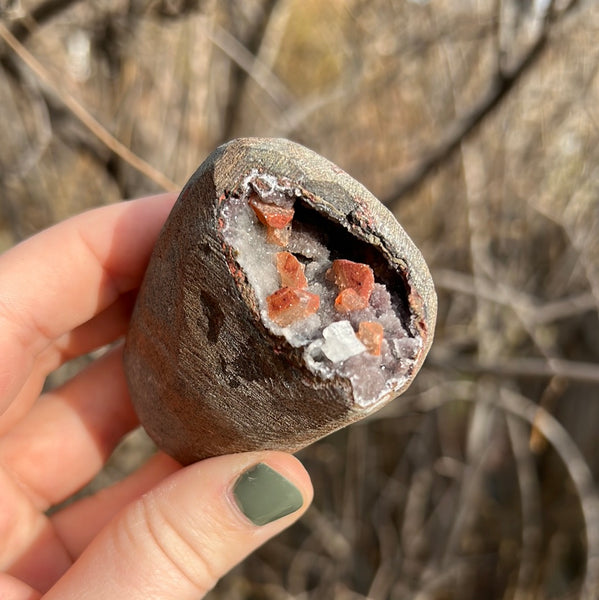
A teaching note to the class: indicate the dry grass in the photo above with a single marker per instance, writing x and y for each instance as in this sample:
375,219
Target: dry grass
478,123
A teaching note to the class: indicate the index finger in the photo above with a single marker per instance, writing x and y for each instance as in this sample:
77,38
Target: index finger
63,276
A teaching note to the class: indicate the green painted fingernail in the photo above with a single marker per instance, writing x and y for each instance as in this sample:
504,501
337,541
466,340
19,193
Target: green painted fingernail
264,496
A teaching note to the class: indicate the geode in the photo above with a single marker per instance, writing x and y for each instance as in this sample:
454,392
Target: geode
282,302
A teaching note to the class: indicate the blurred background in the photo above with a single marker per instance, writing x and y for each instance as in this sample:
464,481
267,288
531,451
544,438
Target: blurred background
477,123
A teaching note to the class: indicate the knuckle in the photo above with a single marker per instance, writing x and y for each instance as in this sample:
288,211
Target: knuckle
182,551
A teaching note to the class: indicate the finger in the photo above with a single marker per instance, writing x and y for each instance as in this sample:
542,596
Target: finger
177,540
29,550
25,399
14,589
38,550
77,524
102,329
66,438
62,277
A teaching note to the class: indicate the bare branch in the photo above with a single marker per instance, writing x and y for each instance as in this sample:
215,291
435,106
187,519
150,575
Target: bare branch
559,438
255,69
577,467
533,309
83,115
24,27
519,367
501,84
43,12
530,502
240,75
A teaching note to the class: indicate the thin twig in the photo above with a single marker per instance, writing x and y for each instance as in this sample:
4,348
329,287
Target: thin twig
82,114
572,458
530,502
502,82
41,13
23,27
519,367
499,293
499,87
579,471
38,110
239,75
249,63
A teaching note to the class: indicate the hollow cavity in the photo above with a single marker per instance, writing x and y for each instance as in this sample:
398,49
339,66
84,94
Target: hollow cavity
320,287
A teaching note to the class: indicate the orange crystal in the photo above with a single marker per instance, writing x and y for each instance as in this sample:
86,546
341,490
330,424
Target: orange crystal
349,299
287,305
291,271
271,215
371,335
280,237
355,282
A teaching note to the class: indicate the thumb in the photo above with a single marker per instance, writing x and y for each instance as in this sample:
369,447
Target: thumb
177,540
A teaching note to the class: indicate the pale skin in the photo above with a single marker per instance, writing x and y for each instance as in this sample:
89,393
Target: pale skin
165,531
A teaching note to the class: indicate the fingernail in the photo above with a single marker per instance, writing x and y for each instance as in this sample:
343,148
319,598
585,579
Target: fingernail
264,496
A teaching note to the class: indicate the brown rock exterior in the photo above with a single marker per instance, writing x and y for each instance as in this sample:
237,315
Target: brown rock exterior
205,374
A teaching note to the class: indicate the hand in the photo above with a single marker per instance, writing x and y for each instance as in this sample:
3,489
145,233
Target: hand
165,531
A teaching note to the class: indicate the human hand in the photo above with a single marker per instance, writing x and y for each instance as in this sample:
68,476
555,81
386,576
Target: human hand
165,531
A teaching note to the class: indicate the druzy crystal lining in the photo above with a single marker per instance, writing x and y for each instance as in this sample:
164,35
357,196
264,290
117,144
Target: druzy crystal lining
347,322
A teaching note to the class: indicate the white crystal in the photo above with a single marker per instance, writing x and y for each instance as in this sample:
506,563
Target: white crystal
314,359
405,347
341,342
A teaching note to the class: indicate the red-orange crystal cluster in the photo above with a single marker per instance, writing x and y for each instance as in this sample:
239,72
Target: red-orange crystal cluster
355,282
292,301
276,218
291,271
288,305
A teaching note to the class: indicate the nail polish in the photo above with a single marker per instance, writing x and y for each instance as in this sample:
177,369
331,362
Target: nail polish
264,496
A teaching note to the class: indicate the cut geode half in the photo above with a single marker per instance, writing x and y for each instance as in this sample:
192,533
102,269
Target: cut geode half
282,302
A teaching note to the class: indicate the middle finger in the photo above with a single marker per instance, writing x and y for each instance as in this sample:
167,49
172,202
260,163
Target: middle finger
102,329
66,438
